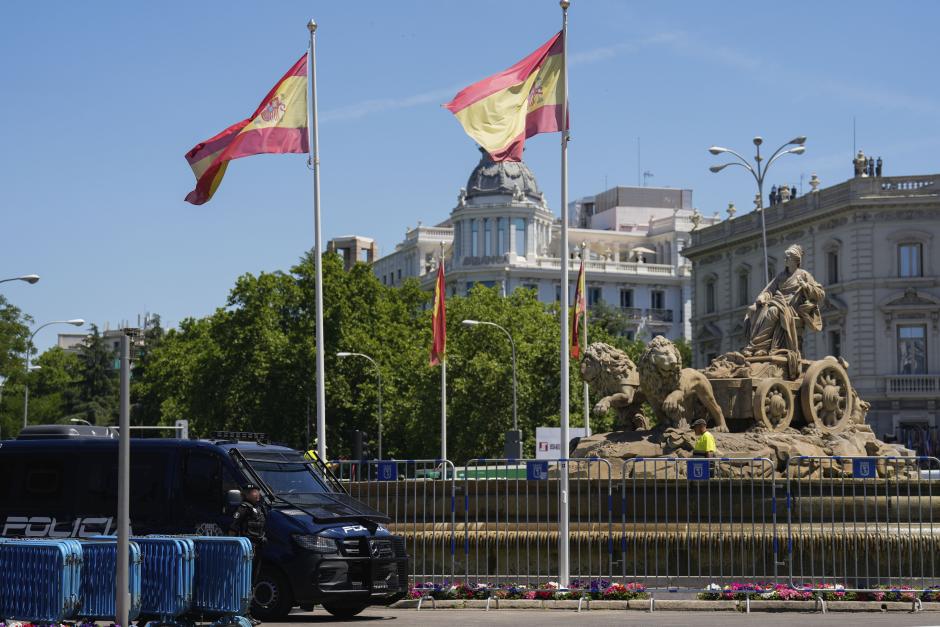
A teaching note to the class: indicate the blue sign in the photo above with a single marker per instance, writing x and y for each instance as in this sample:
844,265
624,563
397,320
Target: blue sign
864,468
387,471
697,470
536,471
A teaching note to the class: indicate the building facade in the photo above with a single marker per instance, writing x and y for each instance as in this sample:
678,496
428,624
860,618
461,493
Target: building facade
502,233
870,241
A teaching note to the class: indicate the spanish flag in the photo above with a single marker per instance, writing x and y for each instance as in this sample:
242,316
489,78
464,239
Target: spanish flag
580,308
439,319
278,125
501,111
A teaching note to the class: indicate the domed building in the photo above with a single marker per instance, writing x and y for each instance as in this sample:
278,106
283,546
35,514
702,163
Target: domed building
501,233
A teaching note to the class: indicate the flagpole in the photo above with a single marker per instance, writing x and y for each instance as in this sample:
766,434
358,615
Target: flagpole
318,257
443,380
587,398
563,463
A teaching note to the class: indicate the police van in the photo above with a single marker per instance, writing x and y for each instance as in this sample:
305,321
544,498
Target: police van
323,547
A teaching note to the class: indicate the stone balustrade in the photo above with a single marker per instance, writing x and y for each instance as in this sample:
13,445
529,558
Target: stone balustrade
912,384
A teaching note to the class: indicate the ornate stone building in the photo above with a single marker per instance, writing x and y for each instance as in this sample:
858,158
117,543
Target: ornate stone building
502,233
870,242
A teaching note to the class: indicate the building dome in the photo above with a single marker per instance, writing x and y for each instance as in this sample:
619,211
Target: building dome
500,178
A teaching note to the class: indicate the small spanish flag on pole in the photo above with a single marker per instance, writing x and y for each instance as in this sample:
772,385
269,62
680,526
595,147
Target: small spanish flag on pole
439,345
501,111
278,125
580,309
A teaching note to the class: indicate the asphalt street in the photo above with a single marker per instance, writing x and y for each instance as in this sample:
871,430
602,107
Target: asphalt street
407,617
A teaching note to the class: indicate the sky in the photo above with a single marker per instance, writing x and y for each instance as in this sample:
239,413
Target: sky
100,101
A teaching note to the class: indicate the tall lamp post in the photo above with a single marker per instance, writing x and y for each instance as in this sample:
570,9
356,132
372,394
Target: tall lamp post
28,278
759,171
29,349
513,448
378,373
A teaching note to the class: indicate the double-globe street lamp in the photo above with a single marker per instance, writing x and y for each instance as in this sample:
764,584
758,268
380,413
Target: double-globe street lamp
29,349
28,278
759,172
513,449
378,373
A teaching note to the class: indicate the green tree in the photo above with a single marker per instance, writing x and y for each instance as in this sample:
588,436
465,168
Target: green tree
97,382
14,332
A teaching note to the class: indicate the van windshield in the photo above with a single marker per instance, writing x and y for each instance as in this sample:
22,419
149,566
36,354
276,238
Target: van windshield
288,475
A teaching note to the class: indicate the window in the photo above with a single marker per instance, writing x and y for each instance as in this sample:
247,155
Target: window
626,298
832,266
487,237
502,245
531,286
658,299
593,296
520,236
557,293
912,349
744,289
202,483
909,260
710,297
835,343
399,275
474,249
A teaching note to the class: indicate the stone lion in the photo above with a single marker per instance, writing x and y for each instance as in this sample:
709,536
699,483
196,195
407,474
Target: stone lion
671,390
612,373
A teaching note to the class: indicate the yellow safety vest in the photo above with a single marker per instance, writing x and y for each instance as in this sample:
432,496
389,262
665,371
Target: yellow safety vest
705,443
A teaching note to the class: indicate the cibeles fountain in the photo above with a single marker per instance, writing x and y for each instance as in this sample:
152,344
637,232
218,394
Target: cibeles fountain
764,401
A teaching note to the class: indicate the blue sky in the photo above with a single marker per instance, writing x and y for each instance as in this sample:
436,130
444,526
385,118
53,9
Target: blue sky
101,100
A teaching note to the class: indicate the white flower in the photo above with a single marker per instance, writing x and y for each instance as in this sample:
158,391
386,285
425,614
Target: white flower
713,587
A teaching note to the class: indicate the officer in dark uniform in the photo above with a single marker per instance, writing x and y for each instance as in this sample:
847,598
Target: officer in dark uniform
249,521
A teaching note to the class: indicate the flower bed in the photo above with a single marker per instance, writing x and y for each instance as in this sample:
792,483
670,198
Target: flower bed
597,589
829,592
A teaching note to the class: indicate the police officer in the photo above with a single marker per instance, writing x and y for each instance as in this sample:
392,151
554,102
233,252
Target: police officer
249,521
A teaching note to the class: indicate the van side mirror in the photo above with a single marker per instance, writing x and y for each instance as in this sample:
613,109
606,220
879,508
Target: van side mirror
233,498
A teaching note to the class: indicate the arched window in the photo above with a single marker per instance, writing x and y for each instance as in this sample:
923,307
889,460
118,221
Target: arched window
711,287
744,285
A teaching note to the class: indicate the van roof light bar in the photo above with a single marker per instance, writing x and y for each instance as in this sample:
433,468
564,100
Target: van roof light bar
240,436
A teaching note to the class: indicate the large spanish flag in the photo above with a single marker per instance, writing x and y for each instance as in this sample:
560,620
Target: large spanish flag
278,125
439,319
501,111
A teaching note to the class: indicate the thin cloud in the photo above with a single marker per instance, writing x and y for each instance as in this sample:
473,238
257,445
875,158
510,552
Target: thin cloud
368,107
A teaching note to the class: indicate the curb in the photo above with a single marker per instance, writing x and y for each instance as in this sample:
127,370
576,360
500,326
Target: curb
675,605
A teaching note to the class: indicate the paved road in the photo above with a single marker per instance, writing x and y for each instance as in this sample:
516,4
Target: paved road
384,617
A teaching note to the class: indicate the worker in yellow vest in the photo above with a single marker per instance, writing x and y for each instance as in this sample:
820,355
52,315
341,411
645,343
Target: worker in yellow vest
705,442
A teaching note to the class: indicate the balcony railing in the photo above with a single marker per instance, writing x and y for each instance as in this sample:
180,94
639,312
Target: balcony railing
912,384
634,313
660,315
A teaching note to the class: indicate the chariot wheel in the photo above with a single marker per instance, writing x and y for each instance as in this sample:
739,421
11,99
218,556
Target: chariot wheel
826,396
773,404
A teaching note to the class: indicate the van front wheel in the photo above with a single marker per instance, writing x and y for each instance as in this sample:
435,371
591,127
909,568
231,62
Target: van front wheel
272,599
344,611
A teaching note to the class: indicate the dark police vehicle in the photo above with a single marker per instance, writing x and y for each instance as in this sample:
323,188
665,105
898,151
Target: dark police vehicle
323,547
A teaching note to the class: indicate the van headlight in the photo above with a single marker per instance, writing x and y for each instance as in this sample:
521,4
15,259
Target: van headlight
317,544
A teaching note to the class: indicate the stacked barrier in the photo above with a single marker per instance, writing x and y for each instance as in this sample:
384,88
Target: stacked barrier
39,580
222,579
166,576
863,522
98,580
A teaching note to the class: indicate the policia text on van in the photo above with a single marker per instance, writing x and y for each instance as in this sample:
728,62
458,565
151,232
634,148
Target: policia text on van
324,547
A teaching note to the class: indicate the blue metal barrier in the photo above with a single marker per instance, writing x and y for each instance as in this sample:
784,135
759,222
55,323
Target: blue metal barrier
222,586
98,579
39,580
166,576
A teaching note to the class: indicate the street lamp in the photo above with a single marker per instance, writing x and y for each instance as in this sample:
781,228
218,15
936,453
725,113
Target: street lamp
759,173
29,278
379,374
29,349
517,449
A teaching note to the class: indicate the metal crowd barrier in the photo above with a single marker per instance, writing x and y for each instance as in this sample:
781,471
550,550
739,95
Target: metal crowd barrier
865,523
222,580
167,576
510,514
39,580
98,580
690,523
419,496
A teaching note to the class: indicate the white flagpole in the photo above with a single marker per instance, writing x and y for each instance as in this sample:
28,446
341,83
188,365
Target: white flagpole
587,397
563,566
443,377
318,257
